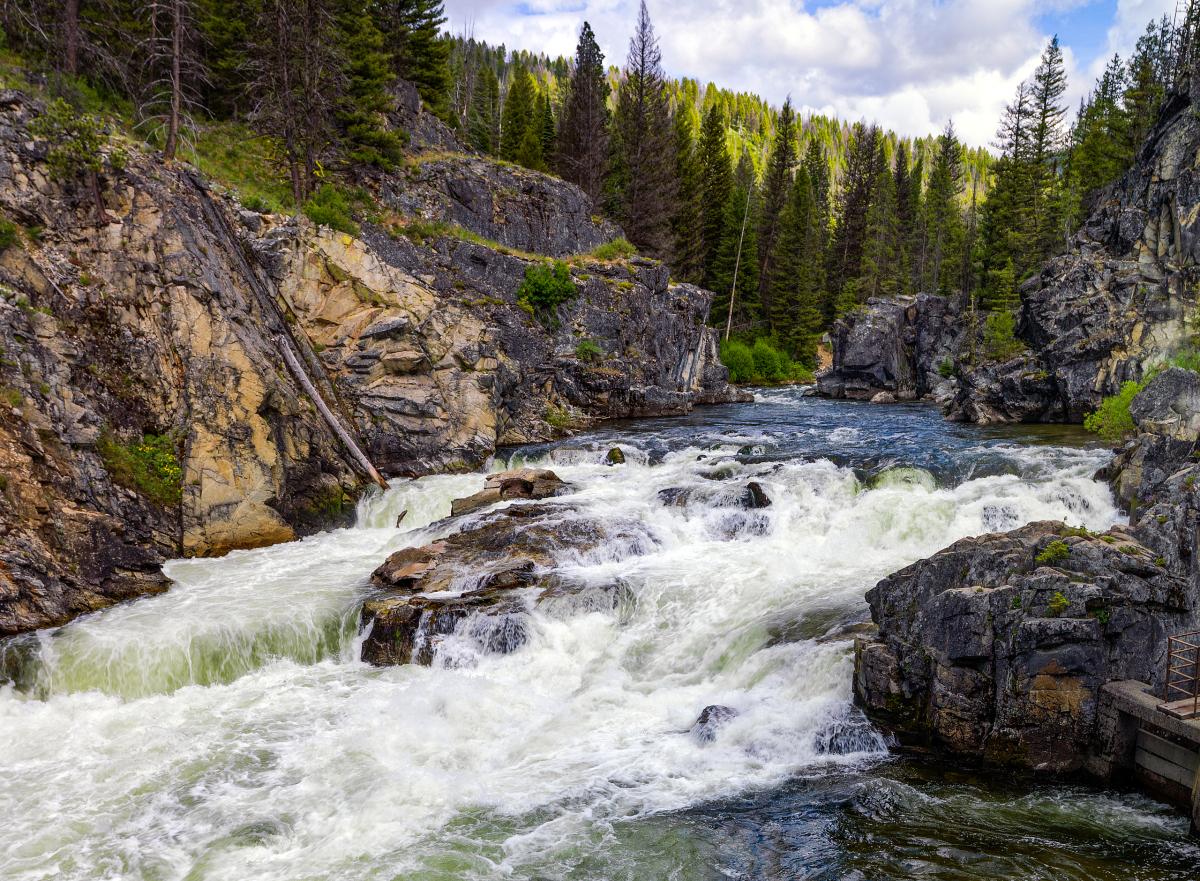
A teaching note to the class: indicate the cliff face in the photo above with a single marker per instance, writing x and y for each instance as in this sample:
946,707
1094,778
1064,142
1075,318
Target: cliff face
998,646
187,319
1118,302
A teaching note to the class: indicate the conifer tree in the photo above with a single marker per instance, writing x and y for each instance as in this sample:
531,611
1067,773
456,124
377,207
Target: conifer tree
419,54
483,115
546,129
716,187
858,184
1045,145
686,226
795,315
902,188
775,191
518,115
641,180
736,271
881,248
943,217
366,99
583,136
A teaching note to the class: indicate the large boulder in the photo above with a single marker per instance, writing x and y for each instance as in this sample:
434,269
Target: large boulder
998,645
893,347
521,483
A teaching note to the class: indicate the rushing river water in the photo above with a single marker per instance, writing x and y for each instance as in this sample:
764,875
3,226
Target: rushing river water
225,730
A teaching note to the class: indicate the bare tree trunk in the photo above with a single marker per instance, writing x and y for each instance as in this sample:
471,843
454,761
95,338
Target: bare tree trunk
71,37
102,215
176,82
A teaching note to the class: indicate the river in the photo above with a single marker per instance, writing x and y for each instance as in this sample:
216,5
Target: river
226,730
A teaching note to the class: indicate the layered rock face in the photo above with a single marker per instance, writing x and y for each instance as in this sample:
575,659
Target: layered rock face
998,645
897,347
228,332
1117,302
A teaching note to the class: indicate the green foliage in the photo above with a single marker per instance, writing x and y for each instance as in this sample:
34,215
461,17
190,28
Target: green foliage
1103,615
11,396
236,156
330,206
544,289
76,140
589,351
1112,419
1058,604
999,336
617,249
558,417
149,465
736,356
366,100
769,363
946,368
9,234
1054,553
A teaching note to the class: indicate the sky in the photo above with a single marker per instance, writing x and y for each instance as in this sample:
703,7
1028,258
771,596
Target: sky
911,65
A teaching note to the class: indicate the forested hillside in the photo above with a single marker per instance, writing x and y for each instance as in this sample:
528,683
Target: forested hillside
791,221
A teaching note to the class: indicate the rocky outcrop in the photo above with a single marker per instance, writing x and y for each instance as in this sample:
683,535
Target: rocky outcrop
478,586
902,347
224,334
999,645
1117,302
521,483
516,207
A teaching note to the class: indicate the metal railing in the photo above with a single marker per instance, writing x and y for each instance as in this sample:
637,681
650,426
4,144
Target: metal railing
1181,687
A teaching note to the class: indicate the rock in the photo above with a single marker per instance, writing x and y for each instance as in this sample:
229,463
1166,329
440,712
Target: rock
997,646
711,719
755,496
883,398
523,483
675,496
615,456
1113,305
893,347
1169,406
478,585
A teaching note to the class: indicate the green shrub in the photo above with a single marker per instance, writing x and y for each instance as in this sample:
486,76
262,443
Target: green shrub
1058,604
330,206
999,336
11,396
544,289
256,203
946,368
736,356
617,249
558,417
588,351
1112,420
1054,553
1188,359
8,234
148,465
769,364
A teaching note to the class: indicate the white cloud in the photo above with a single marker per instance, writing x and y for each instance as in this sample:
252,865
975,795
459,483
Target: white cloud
910,64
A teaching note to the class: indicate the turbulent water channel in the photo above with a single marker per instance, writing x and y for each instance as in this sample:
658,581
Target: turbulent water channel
227,730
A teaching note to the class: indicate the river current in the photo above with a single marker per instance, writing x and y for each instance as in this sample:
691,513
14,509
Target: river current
227,730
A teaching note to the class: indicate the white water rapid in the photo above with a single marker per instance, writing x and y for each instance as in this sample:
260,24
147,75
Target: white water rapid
226,729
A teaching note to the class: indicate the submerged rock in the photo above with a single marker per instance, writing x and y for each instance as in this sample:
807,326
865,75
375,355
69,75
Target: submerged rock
615,456
522,483
711,719
755,496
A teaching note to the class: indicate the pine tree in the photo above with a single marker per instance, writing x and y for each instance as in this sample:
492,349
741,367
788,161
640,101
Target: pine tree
546,129
858,184
796,318
735,263
419,53
1045,145
716,186
775,191
583,136
367,99
518,115
906,219
942,213
686,229
816,167
483,115
881,248
641,180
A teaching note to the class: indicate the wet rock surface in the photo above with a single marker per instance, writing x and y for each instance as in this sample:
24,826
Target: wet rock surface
478,585
522,483
710,721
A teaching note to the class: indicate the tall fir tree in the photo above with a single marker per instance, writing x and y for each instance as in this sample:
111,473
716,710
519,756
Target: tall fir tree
795,313
419,53
583,135
943,216
716,186
775,191
687,259
483,114
641,179
881,248
1046,139
368,139
518,116
857,187
736,271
